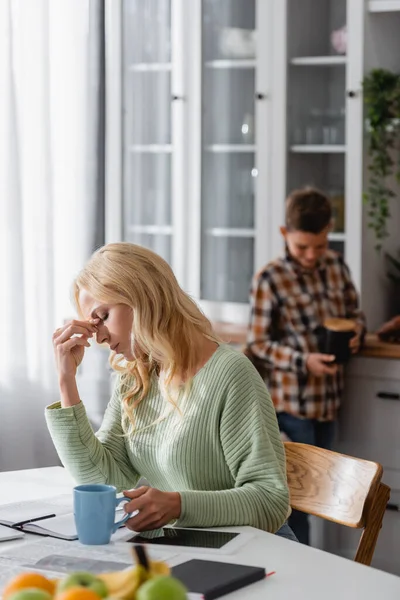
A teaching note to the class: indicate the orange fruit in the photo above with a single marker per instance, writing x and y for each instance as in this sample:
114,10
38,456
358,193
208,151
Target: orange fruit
77,593
28,580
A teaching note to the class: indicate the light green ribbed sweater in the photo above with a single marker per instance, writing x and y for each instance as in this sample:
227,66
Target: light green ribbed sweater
224,454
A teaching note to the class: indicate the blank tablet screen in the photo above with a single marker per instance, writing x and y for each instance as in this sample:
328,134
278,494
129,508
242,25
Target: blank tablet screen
195,538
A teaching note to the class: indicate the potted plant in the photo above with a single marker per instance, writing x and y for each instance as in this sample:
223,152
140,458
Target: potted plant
382,100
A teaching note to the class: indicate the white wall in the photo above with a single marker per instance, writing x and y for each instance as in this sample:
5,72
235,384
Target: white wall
382,49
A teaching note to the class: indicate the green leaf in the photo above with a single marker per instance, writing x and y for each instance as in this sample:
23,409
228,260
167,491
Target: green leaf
382,103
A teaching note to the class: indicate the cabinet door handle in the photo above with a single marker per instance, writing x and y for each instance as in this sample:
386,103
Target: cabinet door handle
388,396
393,507
175,97
260,96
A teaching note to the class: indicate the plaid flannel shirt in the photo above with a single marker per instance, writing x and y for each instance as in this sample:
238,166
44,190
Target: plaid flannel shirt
288,304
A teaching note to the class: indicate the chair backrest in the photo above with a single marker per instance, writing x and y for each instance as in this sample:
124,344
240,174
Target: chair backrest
339,488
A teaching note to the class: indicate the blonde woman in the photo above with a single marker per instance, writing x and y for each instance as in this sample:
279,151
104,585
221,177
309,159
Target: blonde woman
188,413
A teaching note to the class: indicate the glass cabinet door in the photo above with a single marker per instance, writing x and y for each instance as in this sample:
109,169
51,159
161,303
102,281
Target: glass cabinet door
228,149
147,140
316,102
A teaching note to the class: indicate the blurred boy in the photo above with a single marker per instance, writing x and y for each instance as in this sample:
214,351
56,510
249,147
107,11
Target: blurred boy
290,299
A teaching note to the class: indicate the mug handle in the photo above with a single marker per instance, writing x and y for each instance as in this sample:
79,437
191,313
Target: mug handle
118,524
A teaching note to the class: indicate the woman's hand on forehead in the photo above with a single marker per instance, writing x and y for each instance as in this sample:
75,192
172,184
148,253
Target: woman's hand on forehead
94,320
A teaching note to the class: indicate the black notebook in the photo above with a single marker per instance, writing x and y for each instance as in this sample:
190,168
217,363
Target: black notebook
214,579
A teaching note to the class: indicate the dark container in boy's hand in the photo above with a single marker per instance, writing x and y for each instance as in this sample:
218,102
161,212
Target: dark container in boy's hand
334,338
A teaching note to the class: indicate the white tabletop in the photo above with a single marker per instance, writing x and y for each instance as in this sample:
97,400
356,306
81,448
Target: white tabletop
302,573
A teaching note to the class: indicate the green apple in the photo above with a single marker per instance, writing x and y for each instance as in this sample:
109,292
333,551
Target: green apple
83,579
31,594
162,587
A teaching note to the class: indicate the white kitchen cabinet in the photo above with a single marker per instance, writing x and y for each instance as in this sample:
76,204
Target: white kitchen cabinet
188,157
370,419
145,116
369,428
229,158
318,114
216,109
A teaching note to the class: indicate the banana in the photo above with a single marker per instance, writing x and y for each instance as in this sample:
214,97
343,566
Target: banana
123,585
158,568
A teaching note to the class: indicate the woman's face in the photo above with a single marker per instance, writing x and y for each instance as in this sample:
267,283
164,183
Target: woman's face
115,325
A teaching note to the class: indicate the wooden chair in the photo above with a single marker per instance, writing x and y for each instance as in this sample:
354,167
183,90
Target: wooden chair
339,488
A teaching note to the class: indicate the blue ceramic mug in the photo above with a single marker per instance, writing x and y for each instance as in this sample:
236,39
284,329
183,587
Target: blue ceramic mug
94,512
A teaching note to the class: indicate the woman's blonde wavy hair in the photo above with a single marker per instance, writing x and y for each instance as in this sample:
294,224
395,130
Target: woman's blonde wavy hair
165,318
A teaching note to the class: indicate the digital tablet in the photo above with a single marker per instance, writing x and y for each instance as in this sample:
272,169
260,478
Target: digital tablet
193,539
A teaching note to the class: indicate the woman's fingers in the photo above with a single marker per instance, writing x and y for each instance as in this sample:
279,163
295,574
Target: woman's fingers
76,323
71,330
75,341
73,327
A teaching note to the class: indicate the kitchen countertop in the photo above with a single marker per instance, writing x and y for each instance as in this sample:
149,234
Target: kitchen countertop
373,348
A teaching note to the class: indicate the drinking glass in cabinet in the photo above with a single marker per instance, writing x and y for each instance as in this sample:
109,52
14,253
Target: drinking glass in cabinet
333,126
322,126
313,131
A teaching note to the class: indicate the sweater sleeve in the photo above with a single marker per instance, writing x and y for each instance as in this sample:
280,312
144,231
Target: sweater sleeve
90,457
263,303
254,453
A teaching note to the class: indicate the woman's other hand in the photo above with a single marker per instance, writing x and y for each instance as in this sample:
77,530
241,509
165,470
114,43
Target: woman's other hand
69,344
390,329
156,508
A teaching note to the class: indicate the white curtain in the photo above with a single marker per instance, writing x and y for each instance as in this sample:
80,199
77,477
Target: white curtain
48,202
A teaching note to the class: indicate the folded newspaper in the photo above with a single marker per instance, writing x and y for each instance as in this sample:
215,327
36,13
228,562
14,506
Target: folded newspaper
55,557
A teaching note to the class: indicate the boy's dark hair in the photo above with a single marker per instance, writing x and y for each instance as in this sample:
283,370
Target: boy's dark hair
308,210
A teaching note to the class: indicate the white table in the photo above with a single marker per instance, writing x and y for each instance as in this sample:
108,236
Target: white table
302,573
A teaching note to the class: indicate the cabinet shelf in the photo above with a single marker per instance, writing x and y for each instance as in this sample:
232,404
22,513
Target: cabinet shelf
151,229
319,61
319,149
231,232
231,148
232,63
150,67
378,6
151,148
337,236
